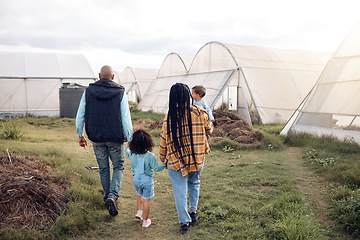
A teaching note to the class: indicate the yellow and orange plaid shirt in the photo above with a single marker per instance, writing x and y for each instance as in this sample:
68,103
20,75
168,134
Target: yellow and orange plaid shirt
201,126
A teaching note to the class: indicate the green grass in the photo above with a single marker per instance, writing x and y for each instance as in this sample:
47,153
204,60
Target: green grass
338,162
137,114
252,197
345,154
246,192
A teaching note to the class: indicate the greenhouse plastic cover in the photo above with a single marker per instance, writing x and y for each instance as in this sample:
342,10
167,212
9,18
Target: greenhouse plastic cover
172,70
30,82
44,65
272,82
137,80
332,107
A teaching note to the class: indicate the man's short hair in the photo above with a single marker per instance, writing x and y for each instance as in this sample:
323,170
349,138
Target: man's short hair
199,90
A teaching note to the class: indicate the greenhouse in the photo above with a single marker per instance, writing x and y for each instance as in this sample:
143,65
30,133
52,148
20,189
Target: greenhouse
137,81
172,70
30,82
261,84
332,107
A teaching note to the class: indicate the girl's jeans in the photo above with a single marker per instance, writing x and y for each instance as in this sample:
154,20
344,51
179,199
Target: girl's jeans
181,185
114,151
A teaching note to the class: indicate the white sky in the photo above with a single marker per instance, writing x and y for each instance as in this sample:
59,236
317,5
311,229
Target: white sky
140,33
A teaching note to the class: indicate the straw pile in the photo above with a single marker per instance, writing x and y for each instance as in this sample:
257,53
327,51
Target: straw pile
30,195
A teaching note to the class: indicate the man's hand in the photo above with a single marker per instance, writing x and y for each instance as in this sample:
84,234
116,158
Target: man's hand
82,142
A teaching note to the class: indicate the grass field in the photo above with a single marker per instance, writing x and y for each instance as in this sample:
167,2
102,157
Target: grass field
296,187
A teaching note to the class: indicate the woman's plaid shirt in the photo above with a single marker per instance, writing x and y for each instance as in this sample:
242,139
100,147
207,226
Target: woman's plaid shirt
201,126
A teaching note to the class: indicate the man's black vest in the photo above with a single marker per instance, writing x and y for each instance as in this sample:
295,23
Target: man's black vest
102,111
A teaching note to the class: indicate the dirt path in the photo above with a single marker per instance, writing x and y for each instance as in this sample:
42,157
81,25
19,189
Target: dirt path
309,183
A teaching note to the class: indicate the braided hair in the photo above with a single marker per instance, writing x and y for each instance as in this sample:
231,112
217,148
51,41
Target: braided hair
179,116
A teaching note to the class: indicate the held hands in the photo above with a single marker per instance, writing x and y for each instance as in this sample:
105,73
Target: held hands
82,142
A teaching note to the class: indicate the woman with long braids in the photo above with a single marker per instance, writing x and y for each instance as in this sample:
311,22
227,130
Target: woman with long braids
183,145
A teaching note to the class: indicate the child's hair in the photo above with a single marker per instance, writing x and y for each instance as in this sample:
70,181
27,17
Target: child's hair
199,90
142,141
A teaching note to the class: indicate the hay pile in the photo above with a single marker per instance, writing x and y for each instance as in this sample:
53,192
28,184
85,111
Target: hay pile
148,123
229,125
29,194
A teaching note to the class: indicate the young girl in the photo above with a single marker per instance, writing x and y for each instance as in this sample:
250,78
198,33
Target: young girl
143,165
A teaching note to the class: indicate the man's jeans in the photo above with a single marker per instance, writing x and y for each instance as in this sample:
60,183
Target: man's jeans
114,151
181,186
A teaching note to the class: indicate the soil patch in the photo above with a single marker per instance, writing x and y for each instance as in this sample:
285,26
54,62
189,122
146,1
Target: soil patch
147,123
31,196
230,125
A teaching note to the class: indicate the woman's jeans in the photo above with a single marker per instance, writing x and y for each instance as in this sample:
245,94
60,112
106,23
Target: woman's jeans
181,185
114,151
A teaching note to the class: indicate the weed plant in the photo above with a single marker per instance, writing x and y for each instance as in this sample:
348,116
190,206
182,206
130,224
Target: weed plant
10,130
346,208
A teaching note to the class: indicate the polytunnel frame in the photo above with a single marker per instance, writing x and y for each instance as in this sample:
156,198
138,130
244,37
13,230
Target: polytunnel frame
157,76
226,84
27,79
25,82
297,115
294,118
181,59
168,76
134,83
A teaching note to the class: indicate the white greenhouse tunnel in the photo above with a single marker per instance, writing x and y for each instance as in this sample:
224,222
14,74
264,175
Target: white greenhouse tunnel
30,82
332,107
261,84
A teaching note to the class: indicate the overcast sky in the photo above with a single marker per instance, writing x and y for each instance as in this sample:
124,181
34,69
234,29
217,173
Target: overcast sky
140,33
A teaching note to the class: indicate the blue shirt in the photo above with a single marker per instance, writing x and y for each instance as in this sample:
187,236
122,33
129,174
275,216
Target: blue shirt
125,117
203,104
150,164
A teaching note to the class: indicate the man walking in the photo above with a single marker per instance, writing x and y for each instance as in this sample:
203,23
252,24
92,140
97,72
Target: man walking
104,110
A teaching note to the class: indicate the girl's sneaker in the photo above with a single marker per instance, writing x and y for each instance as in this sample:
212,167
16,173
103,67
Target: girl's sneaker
146,223
139,215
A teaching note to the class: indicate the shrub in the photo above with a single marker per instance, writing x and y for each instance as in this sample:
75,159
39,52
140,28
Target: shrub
346,208
10,131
